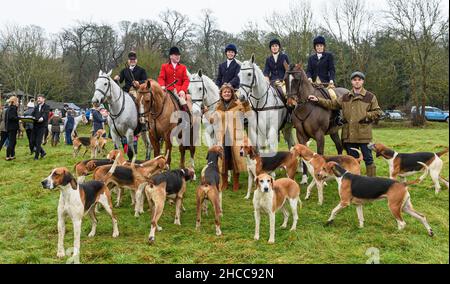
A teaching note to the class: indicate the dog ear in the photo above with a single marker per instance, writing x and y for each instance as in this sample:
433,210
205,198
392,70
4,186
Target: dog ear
68,178
271,182
149,84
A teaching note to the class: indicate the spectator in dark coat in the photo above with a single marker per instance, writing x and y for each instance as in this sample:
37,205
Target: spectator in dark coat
56,122
229,70
70,125
12,127
41,116
3,133
97,121
29,126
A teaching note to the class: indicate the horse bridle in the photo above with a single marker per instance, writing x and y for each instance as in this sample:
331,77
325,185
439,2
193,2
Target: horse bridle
205,92
295,94
249,94
105,98
154,115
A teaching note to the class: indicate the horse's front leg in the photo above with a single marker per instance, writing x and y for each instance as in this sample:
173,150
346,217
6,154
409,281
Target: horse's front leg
148,145
130,142
182,157
320,139
338,142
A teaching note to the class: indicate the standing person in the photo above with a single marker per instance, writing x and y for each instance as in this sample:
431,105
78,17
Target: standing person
361,109
175,71
274,69
12,127
3,133
29,126
230,135
56,122
68,128
97,120
133,75
40,114
229,70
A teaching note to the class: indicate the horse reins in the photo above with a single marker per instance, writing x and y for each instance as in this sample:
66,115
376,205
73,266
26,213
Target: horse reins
205,92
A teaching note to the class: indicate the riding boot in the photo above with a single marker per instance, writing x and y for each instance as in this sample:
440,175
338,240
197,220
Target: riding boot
371,171
236,182
224,181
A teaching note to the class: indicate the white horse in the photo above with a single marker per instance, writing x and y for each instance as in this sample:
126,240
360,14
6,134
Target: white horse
270,111
123,115
204,93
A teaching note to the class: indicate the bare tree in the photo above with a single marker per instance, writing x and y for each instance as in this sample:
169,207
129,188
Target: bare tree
295,28
351,23
77,42
419,25
176,28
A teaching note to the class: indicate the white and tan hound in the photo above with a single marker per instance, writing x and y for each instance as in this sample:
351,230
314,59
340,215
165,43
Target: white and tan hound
75,201
315,163
271,196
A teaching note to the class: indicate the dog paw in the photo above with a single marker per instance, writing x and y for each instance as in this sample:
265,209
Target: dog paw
293,229
115,235
283,226
271,242
247,197
91,234
256,238
61,254
159,229
329,223
431,233
151,241
177,222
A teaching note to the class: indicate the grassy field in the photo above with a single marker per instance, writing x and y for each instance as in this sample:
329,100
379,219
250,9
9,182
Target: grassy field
28,231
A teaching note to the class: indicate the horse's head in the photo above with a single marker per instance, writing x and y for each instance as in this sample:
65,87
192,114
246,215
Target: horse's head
103,87
84,119
144,97
294,78
197,88
248,78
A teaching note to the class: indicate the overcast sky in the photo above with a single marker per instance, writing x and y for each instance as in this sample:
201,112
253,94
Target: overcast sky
232,15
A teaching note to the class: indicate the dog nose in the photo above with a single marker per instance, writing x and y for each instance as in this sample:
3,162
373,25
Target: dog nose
266,189
44,183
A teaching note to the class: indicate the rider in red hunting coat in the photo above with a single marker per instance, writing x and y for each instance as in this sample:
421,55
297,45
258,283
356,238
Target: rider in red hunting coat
172,71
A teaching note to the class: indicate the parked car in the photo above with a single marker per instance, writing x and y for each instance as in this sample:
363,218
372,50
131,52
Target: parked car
433,114
394,115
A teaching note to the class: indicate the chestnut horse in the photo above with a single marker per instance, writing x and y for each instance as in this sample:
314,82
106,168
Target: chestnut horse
309,119
159,109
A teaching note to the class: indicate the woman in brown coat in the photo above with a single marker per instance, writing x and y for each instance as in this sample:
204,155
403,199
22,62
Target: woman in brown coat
228,121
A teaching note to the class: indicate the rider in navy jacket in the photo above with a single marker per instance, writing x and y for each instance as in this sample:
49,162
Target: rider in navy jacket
321,65
229,70
274,69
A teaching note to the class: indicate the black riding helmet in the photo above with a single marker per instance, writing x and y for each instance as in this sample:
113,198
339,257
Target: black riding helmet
275,41
174,51
132,55
231,47
319,40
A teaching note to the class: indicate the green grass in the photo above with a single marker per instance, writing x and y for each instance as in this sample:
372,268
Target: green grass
28,232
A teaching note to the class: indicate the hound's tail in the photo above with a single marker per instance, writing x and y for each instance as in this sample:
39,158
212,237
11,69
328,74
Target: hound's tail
114,166
361,157
419,180
442,153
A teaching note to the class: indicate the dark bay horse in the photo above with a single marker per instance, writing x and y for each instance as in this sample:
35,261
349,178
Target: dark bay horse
309,119
160,110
